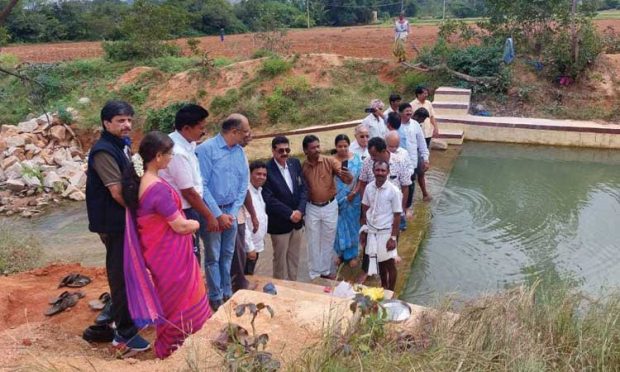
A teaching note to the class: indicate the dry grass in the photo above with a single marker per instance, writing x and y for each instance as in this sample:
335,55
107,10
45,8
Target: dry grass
534,328
18,251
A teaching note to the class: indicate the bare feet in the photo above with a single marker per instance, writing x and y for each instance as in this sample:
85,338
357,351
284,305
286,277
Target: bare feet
398,259
427,198
354,262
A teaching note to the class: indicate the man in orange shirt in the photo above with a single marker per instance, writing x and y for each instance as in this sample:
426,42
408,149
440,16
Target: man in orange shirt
322,208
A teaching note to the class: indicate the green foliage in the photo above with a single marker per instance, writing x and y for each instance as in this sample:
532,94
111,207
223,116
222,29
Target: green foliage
561,54
411,80
65,116
163,119
261,53
8,60
171,64
277,105
225,103
275,66
19,251
4,36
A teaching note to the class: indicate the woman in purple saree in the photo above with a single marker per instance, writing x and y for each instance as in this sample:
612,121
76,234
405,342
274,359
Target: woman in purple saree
163,281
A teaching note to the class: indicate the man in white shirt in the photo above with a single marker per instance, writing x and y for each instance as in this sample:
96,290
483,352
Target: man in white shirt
360,145
183,172
380,218
395,100
374,120
255,237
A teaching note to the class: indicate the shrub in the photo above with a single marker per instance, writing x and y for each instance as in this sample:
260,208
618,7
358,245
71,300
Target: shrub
275,66
8,60
563,61
129,50
4,36
172,64
163,119
18,251
277,105
64,115
260,53
225,103
295,86
411,80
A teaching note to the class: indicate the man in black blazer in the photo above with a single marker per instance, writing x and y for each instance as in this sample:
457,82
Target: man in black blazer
285,197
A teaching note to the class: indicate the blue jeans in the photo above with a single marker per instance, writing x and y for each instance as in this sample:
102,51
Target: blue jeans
219,249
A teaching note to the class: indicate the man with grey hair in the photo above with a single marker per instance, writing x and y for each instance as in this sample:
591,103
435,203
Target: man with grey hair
225,176
360,145
374,120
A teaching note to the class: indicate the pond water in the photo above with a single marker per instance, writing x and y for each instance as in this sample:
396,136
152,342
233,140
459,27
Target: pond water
511,213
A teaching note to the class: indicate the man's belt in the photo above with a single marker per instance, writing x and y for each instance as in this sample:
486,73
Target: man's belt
322,204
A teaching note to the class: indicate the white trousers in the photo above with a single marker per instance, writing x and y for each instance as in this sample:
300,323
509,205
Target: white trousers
321,223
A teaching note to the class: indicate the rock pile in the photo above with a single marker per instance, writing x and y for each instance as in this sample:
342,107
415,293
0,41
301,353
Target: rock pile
41,162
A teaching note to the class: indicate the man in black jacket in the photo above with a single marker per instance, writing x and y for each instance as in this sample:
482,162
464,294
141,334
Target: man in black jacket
285,196
107,160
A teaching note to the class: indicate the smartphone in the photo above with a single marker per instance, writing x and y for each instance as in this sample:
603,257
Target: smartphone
345,165
369,110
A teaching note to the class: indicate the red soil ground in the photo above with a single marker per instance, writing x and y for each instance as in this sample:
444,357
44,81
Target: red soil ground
361,41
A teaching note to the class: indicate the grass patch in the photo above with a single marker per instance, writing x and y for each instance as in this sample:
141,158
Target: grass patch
18,251
535,328
275,66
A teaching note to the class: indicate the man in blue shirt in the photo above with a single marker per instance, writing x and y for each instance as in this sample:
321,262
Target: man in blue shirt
224,170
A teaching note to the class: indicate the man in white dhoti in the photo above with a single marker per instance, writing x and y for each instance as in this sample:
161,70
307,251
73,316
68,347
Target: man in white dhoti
380,220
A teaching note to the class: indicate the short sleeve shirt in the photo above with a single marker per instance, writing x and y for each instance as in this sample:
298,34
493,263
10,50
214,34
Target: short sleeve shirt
320,178
382,202
107,168
427,126
400,175
183,171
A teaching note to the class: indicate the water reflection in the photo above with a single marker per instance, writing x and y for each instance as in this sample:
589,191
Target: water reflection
510,213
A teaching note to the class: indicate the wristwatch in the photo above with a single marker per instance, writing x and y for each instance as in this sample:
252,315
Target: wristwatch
393,237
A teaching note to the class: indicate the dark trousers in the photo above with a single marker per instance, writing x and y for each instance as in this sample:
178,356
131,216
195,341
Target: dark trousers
191,214
237,269
114,243
250,265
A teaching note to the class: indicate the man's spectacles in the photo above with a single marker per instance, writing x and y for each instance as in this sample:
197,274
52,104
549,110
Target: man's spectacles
283,150
364,136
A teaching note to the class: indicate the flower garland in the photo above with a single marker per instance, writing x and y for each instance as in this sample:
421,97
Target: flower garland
138,164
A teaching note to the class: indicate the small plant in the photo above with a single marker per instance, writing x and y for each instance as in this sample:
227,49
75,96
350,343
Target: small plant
275,66
194,45
4,36
163,119
243,352
65,116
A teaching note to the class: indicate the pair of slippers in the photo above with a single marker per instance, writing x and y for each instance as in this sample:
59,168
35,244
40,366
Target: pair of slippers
74,280
64,301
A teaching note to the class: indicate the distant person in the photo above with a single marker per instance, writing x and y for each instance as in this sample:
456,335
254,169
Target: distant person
395,100
224,170
401,31
255,235
164,283
183,172
349,199
285,196
381,210
222,34
109,158
322,209
374,120
360,145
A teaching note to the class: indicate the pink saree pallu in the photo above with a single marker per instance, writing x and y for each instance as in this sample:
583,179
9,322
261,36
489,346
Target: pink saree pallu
163,281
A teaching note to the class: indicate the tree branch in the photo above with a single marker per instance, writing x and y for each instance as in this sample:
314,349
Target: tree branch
459,75
19,76
7,10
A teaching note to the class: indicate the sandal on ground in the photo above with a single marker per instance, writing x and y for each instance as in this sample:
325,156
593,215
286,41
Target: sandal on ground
100,303
63,302
74,280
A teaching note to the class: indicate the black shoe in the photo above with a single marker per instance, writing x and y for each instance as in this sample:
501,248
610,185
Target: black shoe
98,333
105,316
215,304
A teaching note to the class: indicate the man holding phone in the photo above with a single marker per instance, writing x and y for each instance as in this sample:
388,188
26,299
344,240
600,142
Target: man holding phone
374,120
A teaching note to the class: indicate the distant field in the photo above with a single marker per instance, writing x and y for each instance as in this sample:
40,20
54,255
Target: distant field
360,41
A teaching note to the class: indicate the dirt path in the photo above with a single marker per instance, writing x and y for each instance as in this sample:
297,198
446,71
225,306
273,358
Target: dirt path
360,41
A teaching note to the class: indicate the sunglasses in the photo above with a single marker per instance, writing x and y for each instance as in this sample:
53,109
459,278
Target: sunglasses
285,150
364,136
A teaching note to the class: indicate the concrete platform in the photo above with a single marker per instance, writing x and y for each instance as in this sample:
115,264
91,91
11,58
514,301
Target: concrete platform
534,131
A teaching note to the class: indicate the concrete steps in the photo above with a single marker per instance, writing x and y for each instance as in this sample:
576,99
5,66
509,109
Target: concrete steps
452,136
451,101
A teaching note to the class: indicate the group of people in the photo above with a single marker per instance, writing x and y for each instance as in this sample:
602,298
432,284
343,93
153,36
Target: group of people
153,208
